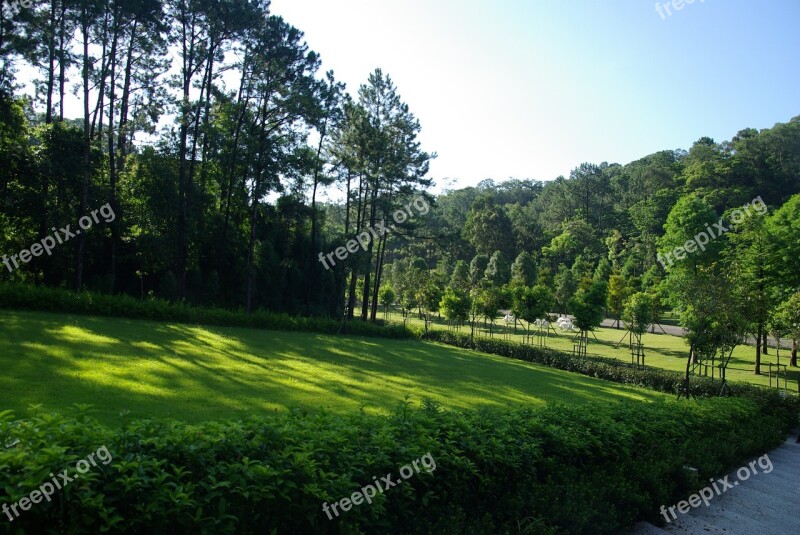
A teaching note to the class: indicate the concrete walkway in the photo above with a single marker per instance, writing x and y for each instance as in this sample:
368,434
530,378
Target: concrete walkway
764,504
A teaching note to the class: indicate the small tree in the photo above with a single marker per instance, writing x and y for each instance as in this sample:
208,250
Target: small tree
489,301
531,304
407,277
408,302
658,290
714,321
730,330
386,295
638,314
588,308
455,306
429,296
617,293
475,297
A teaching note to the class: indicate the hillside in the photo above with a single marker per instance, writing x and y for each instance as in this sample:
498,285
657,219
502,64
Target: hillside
198,373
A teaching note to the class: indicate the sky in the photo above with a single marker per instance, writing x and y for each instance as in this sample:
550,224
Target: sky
532,89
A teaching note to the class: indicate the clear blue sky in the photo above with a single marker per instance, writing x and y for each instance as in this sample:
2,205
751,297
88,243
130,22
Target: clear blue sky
531,89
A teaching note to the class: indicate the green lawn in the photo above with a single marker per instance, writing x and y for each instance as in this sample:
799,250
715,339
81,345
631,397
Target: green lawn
213,373
662,351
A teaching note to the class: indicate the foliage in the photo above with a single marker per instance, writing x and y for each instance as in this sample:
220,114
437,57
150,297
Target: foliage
386,296
455,305
221,207
498,272
618,292
523,270
488,227
603,272
638,312
749,259
711,313
588,306
785,321
429,295
477,268
24,297
460,278
577,238
788,315
690,216
489,301
565,287
784,231
530,304
576,470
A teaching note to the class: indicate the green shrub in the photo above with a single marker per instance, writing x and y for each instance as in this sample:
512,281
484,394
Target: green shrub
613,370
594,469
26,297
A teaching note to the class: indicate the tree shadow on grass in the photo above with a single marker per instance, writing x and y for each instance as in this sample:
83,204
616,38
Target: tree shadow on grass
197,373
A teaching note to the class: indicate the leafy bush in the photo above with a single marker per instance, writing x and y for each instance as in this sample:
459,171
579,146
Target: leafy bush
26,297
593,469
612,370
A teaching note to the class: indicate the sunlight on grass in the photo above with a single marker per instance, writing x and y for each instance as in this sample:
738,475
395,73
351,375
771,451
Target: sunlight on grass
145,345
70,333
195,373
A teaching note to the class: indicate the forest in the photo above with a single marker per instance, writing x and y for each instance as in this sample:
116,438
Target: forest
211,133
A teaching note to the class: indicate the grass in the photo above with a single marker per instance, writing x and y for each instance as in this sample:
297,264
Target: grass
662,351
203,373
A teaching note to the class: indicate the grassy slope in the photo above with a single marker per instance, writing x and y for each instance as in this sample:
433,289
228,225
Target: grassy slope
199,373
662,351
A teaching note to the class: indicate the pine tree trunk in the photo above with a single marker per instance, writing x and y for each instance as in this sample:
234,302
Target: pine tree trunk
251,247
757,370
86,152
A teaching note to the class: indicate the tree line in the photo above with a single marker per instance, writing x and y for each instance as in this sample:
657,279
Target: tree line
210,130
602,242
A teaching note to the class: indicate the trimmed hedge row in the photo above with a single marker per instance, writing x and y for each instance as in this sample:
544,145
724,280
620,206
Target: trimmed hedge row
559,469
610,369
26,297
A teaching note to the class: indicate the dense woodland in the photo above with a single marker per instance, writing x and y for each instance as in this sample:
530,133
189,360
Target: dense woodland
212,131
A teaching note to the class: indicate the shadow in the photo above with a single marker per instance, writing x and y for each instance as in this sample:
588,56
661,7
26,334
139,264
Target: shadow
212,373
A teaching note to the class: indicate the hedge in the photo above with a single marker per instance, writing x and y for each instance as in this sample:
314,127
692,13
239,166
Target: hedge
612,369
26,297
559,469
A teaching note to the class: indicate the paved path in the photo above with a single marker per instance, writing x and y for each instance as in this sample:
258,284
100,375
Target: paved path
678,331
764,504
669,329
